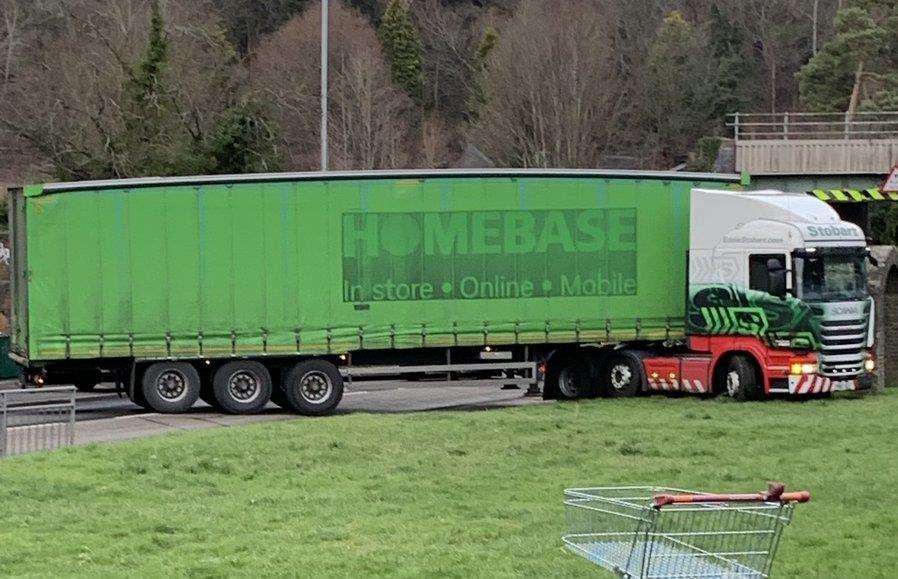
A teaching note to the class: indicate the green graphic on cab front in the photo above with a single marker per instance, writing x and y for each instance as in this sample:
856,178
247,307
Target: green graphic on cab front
465,255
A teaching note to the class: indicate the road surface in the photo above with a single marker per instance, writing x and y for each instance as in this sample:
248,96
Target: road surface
104,416
105,403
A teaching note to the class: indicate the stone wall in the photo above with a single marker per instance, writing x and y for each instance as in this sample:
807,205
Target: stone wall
884,288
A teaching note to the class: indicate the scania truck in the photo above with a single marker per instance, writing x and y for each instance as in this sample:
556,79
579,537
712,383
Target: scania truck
289,287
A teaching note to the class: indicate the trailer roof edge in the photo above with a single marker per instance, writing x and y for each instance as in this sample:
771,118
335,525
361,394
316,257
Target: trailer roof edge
381,174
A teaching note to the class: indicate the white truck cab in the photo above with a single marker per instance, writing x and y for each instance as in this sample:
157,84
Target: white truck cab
763,247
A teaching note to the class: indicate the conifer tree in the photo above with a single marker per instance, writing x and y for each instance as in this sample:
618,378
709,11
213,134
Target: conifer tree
147,110
402,45
856,69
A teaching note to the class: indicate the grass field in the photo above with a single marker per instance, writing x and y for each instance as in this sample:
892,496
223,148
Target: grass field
445,493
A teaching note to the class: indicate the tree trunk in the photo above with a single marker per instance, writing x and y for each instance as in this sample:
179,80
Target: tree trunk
11,32
814,19
856,89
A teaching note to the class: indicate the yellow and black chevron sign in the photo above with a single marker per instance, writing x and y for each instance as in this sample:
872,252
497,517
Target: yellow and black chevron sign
853,195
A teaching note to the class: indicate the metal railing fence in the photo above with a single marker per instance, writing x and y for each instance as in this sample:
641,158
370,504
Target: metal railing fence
812,126
36,419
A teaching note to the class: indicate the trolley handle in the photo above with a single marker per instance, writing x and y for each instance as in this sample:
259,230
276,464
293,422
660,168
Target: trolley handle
775,493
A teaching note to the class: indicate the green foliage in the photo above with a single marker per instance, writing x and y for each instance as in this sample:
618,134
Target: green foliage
487,44
485,47
866,41
457,494
150,142
680,102
734,69
245,141
155,140
884,223
370,8
885,96
145,83
402,44
705,155
248,20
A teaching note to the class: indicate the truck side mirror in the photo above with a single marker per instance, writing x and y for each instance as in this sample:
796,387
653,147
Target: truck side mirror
776,275
873,261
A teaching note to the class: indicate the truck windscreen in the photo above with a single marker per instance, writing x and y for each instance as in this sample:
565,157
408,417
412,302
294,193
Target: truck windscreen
832,275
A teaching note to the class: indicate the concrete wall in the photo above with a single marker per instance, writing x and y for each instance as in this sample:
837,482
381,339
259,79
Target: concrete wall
884,288
816,156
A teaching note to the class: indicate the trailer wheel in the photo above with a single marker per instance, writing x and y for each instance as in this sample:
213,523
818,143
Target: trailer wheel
242,387
171,387
314,387
741,380
622,376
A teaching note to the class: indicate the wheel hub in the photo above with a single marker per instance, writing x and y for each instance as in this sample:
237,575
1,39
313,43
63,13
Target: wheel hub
621,376
733,384
315,387
567,382
171,385
244,386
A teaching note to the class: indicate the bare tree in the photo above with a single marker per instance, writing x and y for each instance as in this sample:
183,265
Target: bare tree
69,101
557,95
450,36
22,26
249,20
12,17
369,117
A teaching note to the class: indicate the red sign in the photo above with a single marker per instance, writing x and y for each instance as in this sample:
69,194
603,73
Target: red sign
891,184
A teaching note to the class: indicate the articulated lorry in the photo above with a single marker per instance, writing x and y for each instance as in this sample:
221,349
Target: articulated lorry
243,289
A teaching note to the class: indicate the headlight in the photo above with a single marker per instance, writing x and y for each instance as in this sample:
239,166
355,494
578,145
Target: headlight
869,364
802,368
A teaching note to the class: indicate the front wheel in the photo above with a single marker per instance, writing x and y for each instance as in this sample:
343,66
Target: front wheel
742,381
313,388
622,376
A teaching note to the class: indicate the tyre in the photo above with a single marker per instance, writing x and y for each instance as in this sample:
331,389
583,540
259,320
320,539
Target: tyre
741,380
170,387
571,379
313,388
242,387
622,376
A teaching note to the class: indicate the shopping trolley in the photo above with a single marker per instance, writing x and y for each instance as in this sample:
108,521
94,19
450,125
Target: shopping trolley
644,531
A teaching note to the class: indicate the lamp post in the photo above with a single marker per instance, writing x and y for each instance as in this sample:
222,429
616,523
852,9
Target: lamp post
324,35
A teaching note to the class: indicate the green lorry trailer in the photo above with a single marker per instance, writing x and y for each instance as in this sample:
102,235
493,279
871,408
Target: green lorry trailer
244,289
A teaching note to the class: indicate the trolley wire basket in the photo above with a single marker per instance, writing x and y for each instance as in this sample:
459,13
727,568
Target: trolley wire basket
655,532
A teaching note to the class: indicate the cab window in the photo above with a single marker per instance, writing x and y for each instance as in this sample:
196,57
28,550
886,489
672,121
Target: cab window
759,272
